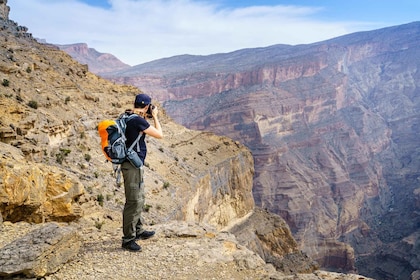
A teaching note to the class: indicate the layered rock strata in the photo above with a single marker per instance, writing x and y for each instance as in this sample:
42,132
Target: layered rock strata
333,130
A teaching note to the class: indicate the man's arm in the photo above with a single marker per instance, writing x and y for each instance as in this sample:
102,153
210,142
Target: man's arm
156,130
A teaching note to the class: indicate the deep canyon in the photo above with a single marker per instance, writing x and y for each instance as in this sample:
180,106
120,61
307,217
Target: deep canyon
333,128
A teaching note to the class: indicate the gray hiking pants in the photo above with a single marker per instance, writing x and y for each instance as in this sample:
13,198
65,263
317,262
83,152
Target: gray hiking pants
134,201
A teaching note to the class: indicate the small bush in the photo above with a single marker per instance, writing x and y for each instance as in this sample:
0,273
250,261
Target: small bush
5,82
147,207
33,104
99,225
88,157
166,185
59,158
61,155
100,199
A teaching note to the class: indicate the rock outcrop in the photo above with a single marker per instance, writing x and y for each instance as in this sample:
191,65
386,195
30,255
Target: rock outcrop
270,236
4,10
333,130
34,192
40,253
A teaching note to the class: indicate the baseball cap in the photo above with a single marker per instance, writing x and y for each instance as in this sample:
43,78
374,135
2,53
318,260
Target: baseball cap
142,99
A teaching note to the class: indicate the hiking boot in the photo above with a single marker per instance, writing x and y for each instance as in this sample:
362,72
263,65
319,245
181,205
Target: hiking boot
131,246
145,235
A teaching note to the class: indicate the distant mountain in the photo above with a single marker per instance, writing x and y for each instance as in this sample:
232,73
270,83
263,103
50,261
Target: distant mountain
98,62
334,130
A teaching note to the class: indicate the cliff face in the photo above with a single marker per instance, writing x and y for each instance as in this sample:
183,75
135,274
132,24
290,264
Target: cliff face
333,130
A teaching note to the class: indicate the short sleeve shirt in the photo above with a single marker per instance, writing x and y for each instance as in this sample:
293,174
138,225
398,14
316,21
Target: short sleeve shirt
135,126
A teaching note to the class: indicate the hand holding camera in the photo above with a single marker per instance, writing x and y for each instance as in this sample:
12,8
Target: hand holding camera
150,110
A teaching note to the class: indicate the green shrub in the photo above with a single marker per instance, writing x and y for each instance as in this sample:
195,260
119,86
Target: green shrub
33,104
100,199
99,224
61,155
166,185
88,157
147,207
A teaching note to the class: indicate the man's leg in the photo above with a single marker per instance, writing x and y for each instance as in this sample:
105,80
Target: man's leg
134,200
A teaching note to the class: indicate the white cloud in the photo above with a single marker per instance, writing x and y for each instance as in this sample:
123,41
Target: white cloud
138,31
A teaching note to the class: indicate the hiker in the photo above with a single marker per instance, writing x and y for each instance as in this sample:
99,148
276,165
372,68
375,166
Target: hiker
133,177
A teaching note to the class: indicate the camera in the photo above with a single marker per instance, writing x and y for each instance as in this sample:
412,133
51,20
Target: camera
149,111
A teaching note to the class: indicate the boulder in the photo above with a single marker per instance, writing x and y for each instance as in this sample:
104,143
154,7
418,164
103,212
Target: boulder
40,252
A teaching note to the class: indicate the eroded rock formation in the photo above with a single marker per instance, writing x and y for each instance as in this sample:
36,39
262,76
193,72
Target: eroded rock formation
34,192
4,10
333,130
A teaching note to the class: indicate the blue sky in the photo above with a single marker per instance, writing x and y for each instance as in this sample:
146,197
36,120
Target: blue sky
137,31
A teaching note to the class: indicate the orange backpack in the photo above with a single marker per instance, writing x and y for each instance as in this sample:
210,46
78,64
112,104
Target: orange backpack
112,133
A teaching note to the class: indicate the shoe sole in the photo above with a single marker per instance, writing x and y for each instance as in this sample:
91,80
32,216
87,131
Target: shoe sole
131,250
144,238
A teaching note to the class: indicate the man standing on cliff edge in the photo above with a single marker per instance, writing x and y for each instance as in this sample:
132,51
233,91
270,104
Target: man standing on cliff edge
133,177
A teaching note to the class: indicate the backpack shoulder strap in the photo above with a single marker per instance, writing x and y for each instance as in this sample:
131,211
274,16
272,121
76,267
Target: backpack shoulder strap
135,141
128,117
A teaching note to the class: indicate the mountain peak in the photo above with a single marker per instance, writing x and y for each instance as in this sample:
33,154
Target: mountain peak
4,10
98,62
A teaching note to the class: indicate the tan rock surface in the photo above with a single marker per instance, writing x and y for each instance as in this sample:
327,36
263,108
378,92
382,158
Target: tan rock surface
39,253
180,251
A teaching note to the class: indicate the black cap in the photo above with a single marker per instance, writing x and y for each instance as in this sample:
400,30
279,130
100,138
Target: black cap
142,100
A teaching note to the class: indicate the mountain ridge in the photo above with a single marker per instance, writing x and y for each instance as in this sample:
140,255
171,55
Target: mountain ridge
260,54
98,62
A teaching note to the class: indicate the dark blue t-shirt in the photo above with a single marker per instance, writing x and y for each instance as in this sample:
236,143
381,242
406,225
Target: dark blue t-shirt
135,126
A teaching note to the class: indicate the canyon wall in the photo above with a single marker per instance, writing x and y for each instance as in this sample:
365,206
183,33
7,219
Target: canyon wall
333,128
